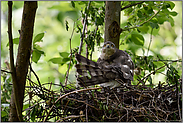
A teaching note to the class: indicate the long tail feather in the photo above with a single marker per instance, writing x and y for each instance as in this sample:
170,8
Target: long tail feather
85,61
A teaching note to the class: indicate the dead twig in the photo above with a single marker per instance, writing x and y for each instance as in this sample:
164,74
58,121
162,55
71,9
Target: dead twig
84,27
77,91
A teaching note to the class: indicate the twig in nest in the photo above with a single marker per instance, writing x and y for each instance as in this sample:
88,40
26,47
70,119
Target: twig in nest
67,95
87,112
121,104
69,117
83,102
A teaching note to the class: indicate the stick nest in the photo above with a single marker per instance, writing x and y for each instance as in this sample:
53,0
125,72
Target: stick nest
127,103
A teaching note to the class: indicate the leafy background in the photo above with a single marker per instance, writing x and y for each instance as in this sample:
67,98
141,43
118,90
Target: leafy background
54,24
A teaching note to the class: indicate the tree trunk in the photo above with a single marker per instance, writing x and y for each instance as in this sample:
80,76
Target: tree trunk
24,51
112,22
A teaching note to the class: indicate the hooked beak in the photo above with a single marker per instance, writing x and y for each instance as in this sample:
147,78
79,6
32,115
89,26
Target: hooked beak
108,46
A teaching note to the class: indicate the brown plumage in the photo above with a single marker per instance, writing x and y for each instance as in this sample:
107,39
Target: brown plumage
112,64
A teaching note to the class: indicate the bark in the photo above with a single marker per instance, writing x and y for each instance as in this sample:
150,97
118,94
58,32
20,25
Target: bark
24,51
17,116
112,22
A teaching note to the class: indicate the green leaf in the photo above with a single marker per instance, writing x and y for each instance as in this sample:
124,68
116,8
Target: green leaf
64,54
144,28
66,25
33,114
171,20
139,14
60,17
145,8
36,55
150,10
3,113
25,106
71,14
150,80
56,60
38,37
137,39
64,60
173,13
73,4
35,46
171,4
154,25
15,41
158,65
40,110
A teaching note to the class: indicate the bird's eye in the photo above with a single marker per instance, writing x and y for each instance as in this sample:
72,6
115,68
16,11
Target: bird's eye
104,45
112,45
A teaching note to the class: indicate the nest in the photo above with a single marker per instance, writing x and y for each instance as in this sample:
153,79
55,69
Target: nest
127,103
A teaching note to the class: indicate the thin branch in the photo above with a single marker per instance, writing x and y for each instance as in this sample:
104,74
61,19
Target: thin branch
150,42
70,57
36,77
84,27
121,104
144,21
69,117
87,53
152,73
77,91
13,70
134,4
87,112
94,38
177,92
83,102
6,71
178,60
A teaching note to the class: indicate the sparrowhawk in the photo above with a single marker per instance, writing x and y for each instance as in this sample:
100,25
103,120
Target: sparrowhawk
111,65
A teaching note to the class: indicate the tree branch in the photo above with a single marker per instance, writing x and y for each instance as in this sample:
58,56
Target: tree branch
134,4
84,27
66,78
6,71
23,57
151,73
150,42
36,77
13,70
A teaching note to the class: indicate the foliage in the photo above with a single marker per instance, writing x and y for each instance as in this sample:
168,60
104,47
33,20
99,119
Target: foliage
6,89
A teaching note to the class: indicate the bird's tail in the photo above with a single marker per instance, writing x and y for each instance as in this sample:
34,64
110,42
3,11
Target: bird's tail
89,72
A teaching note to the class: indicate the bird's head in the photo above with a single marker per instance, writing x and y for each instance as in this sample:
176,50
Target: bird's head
108,50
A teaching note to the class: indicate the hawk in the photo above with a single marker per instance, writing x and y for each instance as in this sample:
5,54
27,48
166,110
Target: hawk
111,65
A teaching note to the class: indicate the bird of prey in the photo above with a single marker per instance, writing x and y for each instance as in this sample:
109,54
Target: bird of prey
111,65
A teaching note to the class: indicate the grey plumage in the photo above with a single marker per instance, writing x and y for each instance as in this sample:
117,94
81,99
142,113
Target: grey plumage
112,64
